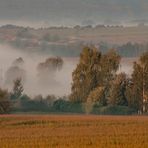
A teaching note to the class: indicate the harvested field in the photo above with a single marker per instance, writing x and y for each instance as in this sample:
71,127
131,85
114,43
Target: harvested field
73,131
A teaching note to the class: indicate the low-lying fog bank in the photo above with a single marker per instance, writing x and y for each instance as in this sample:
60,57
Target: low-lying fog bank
62,78
31,85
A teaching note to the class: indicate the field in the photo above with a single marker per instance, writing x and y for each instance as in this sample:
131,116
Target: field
75,131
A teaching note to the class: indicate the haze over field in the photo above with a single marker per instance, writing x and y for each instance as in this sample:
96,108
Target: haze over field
39,13
63,78
32,87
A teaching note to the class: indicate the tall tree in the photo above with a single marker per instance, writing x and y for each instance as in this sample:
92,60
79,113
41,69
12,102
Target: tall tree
85,75
137,91
144,65
94,70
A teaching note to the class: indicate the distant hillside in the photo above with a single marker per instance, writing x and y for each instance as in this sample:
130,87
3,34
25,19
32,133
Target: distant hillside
67,42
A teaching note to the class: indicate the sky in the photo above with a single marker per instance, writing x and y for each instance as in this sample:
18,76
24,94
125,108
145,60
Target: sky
71,12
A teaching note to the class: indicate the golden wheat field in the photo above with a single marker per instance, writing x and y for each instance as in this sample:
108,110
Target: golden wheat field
73,131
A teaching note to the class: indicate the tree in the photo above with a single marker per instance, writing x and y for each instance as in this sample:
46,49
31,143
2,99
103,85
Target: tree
5,104
109,65
135,90
17,89
13,73
50,100
96,96
94,70
144,65
61,105
117,94
16,70
85,75
47,70
19,62
138,88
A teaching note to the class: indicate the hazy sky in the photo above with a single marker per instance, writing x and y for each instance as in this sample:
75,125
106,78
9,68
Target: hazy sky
68,12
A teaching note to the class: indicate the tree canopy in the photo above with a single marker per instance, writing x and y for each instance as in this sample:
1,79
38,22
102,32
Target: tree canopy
93,70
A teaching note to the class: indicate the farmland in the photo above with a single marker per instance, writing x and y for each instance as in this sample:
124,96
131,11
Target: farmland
73,131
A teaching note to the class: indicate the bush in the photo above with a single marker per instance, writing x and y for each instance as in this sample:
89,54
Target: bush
113,110
62,105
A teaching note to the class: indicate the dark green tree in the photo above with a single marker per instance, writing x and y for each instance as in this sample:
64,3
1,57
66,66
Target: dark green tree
17,89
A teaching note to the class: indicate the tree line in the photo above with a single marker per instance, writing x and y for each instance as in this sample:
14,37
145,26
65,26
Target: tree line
96,81
97,86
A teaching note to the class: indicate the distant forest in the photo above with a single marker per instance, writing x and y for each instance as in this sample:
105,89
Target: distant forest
68,42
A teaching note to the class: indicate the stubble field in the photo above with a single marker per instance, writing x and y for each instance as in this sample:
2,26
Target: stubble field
73,131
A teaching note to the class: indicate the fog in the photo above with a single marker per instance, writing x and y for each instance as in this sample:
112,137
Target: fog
31,85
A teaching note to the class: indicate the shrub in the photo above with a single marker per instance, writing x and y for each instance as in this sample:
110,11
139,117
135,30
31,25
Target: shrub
113,110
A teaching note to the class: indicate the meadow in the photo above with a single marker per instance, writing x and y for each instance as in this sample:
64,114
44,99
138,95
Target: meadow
73,131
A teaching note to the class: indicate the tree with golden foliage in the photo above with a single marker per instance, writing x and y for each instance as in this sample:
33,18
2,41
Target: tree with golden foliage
137,91
94,70
117,94
97,95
